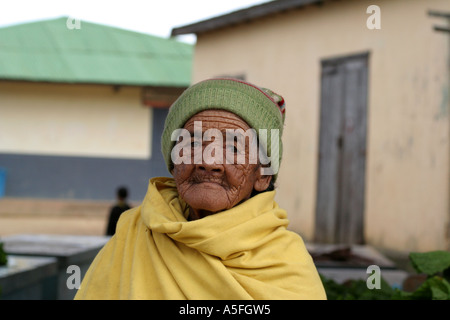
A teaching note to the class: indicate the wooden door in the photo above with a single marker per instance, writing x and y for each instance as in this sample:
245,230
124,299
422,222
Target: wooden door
342,150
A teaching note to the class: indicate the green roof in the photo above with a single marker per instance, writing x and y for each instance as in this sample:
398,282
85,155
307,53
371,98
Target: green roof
49,51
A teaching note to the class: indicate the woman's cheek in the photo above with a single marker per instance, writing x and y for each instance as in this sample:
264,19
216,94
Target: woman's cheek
182,172
236,174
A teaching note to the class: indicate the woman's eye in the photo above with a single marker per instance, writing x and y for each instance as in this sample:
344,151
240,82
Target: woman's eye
234,149
231,148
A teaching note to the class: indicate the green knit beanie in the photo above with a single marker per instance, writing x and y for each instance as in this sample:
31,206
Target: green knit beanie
259,107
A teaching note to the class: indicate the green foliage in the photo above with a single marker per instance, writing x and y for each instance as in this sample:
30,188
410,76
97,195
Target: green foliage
435,265
356,290
3,257
434,288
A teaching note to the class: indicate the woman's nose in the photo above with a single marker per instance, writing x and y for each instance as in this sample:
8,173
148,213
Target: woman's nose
211,168
212,159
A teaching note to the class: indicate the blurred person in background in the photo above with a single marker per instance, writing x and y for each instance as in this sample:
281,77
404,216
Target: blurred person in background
115,212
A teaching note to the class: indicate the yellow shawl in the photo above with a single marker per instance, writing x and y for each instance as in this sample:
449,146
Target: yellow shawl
242,253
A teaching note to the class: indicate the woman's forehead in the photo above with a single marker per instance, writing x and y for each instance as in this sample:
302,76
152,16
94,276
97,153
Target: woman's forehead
218,119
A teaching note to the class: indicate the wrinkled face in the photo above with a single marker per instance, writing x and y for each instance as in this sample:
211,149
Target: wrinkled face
213,185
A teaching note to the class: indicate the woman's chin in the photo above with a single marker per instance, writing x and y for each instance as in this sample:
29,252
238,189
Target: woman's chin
206,207
208,200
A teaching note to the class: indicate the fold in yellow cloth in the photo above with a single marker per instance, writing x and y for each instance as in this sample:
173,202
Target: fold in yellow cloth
242,253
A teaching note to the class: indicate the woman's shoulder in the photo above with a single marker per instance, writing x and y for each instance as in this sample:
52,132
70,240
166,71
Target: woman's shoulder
129,217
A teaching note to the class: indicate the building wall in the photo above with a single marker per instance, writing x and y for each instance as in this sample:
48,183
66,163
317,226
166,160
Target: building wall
407,169
77,141
74,120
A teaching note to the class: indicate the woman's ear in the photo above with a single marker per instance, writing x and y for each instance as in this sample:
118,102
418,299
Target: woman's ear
262,182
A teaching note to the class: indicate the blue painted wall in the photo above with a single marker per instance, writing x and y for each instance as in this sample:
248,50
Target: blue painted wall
38,176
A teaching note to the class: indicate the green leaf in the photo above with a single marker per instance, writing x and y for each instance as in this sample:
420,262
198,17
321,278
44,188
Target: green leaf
431,262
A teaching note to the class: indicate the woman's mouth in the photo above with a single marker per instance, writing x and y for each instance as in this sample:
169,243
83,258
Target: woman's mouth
207,178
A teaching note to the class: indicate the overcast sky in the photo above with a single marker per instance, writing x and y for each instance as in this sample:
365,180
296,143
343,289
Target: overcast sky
156,17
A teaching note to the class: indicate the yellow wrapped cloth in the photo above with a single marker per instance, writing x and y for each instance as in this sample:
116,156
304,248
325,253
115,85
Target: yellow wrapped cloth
242,253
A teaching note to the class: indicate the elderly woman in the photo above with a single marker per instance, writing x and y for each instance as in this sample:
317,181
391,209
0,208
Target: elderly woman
214,231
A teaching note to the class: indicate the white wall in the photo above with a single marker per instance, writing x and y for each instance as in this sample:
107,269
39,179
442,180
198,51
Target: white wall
74,120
